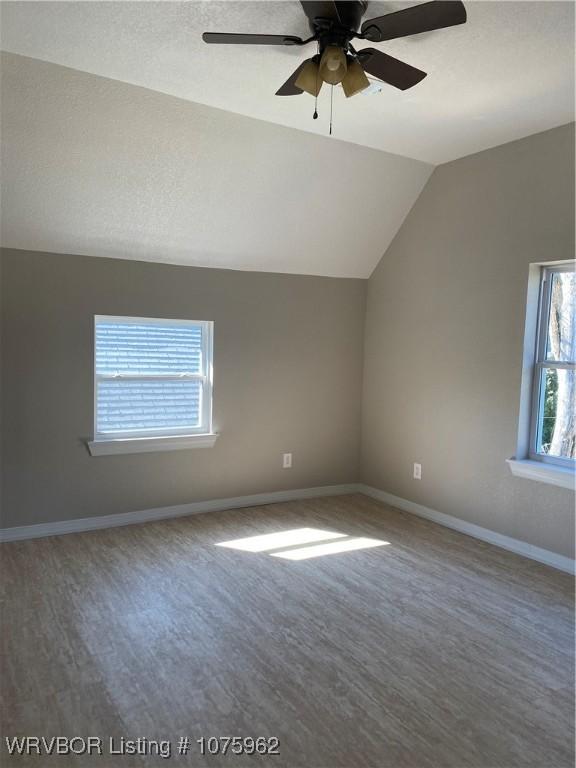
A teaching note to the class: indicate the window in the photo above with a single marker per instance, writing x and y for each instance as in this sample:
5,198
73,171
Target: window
153,379
546,448
553,422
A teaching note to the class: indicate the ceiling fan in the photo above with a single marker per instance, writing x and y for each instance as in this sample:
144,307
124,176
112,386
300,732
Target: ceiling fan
334,24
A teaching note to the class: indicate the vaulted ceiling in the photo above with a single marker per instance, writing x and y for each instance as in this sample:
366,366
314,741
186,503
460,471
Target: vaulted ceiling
124,135
508,72
99,167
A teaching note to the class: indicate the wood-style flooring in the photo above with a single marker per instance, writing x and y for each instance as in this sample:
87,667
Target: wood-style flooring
433,651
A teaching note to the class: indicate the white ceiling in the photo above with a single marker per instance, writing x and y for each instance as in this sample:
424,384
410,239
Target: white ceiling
507,73
95,166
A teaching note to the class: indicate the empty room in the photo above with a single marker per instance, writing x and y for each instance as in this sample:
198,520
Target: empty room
288,384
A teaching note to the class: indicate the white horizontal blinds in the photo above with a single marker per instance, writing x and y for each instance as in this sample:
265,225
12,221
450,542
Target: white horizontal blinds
147,348
150,376
130,406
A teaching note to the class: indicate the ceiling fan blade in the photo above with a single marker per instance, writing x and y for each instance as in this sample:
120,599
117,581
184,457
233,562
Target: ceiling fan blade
323,10
390,70
411,21
290,88
234,39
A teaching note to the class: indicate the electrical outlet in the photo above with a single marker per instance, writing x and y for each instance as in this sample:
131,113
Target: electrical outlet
417,471
287,461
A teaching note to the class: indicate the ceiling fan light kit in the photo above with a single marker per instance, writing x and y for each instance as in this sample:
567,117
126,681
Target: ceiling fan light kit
355,80
334,24
309,79
333,65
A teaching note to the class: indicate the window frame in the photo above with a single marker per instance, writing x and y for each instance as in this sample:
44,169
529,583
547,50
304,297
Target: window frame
206,377
541,364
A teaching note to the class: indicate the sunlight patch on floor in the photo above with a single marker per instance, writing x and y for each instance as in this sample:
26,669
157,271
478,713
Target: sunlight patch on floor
330,548
302,543
281,539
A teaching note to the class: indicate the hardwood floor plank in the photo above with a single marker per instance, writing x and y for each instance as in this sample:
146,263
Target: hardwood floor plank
435,650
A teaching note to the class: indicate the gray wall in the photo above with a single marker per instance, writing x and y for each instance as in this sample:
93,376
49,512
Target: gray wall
288,369
444,337
442,362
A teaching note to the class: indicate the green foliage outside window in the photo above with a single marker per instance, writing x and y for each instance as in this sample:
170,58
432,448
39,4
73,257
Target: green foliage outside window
550,400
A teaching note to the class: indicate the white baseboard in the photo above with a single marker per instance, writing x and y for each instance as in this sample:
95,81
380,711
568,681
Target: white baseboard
162,513
560,562
216,505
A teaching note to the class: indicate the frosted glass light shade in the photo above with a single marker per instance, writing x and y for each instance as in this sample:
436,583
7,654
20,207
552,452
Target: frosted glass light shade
333,65
355,80
309,78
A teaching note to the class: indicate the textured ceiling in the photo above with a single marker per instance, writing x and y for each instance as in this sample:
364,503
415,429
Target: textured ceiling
507,73
99,167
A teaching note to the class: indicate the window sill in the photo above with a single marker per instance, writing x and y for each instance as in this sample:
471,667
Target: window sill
150,444
542,472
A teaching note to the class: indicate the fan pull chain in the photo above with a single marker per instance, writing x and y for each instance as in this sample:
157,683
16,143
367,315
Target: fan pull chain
331,98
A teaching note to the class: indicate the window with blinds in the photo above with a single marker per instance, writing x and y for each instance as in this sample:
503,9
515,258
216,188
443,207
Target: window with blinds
153,377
